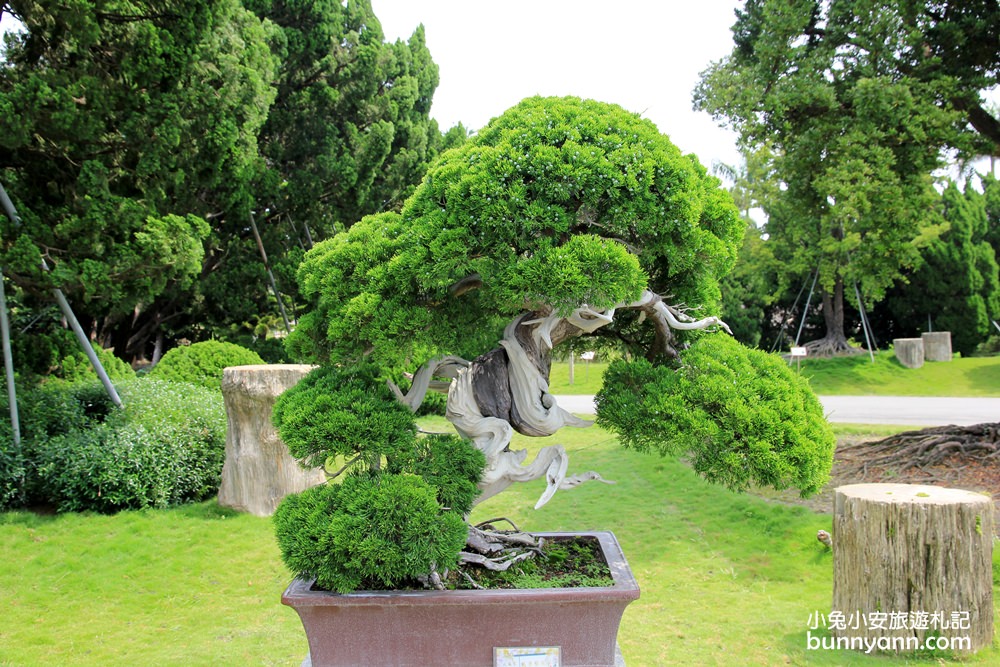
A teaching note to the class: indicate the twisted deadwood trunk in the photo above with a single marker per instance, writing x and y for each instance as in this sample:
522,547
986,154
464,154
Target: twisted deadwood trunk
910,562
507,390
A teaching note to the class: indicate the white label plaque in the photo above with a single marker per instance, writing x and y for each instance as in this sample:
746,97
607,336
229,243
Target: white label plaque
527,656
800,351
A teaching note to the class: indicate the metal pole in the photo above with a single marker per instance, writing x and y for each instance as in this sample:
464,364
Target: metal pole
270,275
67,312
864,321
8,364
784,323
805,312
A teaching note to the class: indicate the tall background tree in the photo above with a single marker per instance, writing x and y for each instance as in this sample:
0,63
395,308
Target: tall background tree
956,288
128,127
859,99
139,138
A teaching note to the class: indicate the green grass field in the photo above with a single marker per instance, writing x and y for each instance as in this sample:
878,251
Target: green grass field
726,579
846,376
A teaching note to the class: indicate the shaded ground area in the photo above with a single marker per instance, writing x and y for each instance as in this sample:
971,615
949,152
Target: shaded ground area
861,459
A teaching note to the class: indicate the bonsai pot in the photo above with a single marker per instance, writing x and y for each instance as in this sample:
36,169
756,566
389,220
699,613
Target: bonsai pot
464,627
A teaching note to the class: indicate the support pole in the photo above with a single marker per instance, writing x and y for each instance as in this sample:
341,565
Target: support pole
8,206
805,311
270,274
8,364
864,321
784,322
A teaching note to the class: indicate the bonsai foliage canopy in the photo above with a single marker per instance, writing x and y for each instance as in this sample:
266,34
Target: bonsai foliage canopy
562,218
556,203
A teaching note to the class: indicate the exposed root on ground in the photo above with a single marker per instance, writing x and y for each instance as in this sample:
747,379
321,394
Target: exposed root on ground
940,452
832,347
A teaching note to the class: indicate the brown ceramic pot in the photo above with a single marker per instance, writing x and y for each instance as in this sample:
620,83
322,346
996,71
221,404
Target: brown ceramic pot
462,628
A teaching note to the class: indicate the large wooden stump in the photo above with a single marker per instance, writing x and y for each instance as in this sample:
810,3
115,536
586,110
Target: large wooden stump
259,471
909,351
937,345
910,564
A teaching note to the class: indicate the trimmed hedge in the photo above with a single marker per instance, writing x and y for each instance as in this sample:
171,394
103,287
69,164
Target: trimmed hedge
202,363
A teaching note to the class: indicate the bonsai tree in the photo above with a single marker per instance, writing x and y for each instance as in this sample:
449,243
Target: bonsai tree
562,218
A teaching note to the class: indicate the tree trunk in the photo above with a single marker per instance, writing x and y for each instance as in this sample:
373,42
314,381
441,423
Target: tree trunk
834,343
937,345
909,351
259,471
911,562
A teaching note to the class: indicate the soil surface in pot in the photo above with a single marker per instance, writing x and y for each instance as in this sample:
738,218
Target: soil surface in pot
562,562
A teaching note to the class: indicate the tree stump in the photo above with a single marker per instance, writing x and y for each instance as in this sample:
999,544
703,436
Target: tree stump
937,345
259,471
912,564
909,351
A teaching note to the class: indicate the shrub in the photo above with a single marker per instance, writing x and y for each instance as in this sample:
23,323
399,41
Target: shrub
989,347
166,446
373,530
76,367
12,471
202,363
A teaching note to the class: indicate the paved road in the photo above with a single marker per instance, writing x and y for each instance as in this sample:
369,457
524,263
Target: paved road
905,410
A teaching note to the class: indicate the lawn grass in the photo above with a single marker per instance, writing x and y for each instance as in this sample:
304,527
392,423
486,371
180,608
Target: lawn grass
195,585
858,376
727,579
845,376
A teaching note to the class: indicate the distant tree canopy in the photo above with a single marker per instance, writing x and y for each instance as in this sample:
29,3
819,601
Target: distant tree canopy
858,99
956,288
139,136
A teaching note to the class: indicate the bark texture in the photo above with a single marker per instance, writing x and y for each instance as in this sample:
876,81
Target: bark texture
910,549
937,345
834,343
909,351
259,471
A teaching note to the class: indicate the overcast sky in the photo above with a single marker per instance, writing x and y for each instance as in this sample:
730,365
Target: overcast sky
644,55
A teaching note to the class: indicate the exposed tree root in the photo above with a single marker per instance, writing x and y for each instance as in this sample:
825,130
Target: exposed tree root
939,451
831,347
496,549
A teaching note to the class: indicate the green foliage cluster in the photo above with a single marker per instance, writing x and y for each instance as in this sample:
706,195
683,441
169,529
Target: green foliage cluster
399,513
740,415
142,136
857,102
76,367
559,201
379,531
202,363
79,452
342,412
957,284
989,347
